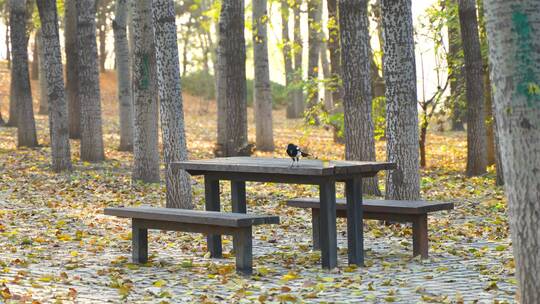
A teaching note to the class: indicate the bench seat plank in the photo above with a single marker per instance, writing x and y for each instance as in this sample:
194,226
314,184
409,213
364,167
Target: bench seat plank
213,218
378,206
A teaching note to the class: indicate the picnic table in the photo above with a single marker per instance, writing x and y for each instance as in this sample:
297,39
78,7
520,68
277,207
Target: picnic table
325,174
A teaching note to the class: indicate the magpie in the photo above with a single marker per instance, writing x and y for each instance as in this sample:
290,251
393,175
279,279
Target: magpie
295,152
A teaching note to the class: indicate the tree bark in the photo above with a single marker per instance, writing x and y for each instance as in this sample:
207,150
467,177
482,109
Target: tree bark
287,58
43,94
102,35
145,103
513,29
476,128
262,92
51,62
34,71
232,76
172,112
72,73
335,51
399,70
326,75
357,95
88,76
298,92
20,76
314,37
123,73
455,65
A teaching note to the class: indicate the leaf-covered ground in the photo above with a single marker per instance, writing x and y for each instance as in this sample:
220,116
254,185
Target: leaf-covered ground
57,246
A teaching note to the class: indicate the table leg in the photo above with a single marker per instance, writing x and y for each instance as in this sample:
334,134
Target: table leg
238,197
355,227
211,195
328,235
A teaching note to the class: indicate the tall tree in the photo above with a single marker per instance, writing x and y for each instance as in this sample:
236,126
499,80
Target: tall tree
455,66
34,70
88,76
43,94
399,70
334,49
326,76
232,76
314,37
513,29
72,73
103,9
20,76
123,73
287,56
262,93
297,109
145,103
52,61
170,97
476,128
356,75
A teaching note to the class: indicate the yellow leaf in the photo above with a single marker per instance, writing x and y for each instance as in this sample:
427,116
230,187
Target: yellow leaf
160,283
290,276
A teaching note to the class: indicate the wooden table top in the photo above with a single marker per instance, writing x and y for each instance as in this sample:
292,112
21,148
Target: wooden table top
306,167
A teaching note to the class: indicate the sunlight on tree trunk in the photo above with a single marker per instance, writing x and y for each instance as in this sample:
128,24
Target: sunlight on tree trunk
43,94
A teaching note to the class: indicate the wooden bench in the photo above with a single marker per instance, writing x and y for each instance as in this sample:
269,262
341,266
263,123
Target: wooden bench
414,212
210,222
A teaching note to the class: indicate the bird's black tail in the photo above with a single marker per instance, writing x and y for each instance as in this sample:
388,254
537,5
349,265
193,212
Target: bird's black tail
304,154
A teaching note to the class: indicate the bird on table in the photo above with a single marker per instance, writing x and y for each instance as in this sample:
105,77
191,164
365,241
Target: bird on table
295,153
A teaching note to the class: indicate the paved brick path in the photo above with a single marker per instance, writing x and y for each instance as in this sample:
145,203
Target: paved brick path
46,262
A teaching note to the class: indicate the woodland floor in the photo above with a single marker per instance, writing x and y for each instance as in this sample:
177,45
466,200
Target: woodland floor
57,246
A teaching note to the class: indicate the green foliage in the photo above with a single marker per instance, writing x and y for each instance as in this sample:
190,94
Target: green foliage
202,84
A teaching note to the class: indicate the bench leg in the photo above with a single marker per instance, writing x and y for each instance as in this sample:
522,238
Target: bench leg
355,227
243,249
212,203
420,236
315,223
328,234
139,241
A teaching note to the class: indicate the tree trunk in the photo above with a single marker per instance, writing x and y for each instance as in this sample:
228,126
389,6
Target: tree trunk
72,69
51,61
490,130
232,73
328,102
123,73
102,34
262,93
89,92
513,29
455,66
172,112
298,92
334,48
399,71
476,128
287,58
8,44
499,179
355,49
20,76
43,93
35,58
314,38
146,150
